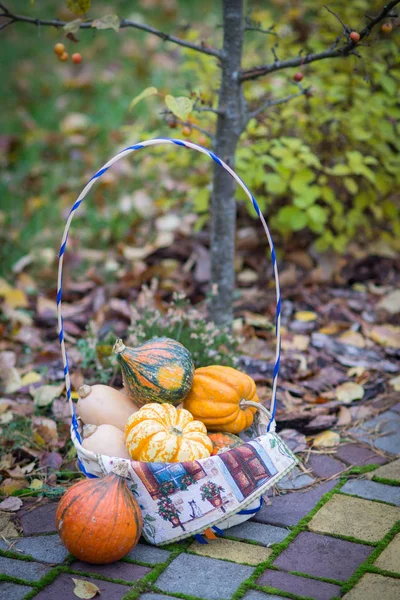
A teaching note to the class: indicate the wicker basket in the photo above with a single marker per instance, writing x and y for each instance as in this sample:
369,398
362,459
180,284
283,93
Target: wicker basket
179,500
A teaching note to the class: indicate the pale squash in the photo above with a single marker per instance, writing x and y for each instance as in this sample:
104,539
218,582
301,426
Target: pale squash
219,398
105,439
162,433
103,405
160,370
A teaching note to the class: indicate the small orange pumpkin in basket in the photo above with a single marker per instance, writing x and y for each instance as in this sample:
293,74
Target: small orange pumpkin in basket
223,398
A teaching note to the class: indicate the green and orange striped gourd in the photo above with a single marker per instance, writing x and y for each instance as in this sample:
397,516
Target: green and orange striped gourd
160,370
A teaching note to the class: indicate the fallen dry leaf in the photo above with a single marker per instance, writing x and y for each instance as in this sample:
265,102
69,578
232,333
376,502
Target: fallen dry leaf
45,394
395,383
326,439
345,417
305,315
391,302
353,338
11,504
14,298
385,335
85,589
30,378
349,391
36,484
7,527
356,371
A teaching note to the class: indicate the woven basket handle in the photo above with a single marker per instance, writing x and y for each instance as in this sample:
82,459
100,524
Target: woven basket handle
84,193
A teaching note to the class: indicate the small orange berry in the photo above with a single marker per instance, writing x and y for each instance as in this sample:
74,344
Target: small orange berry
59,48
355,36
76,58
298,76
387,27
186,131
63,57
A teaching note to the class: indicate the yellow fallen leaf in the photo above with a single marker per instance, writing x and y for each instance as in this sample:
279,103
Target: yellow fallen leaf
330,329
36,484
356,371
4,287
85,589
349,391
353,338
326,439
305,315
386,335
395,382
29,378
15,298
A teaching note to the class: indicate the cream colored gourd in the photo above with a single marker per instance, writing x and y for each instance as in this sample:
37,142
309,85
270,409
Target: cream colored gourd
103,405
105,439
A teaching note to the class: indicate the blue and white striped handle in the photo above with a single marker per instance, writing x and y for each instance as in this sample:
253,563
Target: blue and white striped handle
83,194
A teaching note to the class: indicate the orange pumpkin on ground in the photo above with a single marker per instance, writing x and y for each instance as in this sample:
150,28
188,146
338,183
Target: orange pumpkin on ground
224,441
222,398
163,433
99,520
160,370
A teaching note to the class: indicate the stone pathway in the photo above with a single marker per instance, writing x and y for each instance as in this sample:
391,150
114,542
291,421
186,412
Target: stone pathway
333,532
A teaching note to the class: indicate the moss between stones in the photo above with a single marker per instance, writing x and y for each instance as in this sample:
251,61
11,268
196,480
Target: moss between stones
368,566
393,482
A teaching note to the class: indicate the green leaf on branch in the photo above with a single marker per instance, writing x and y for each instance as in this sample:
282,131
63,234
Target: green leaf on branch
73,26
78,7
150,91
107,22
181,107
292,218
274,183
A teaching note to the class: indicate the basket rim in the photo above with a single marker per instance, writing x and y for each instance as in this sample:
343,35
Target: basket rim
83,194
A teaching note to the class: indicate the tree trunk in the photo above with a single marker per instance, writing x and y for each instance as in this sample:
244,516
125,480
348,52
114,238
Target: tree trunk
230,125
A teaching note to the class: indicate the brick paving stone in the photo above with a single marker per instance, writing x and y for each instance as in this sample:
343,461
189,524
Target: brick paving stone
358,456
63,587
13,591
238,552
389,471
325,466
295,480
301,586
371,490
353,517
22,569
203,577
117,570
148,554
372,587
38,520
396,407
322,556
257,595
387,423
389,560
289,509
266,535
44,548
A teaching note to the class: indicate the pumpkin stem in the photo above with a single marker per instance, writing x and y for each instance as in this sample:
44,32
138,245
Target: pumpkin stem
84,391
121,469
244,403
119,347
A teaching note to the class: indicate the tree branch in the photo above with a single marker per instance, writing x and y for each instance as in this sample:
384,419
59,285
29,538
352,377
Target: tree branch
169,117
268,103
204,48
333,52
